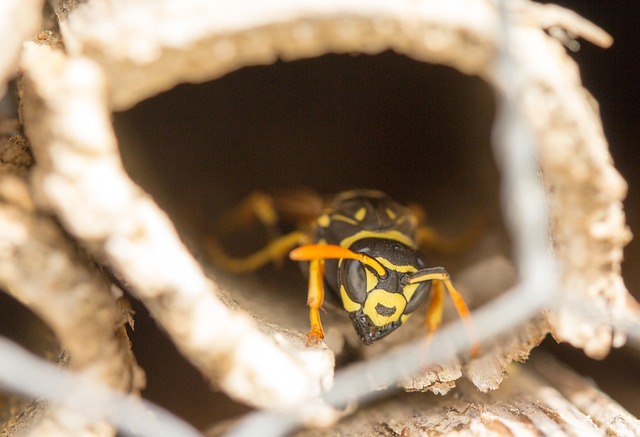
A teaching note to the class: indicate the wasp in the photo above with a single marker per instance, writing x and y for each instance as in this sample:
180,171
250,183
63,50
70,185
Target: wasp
363,247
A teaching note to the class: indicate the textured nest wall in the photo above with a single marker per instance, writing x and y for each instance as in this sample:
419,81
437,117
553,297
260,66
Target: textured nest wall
92,197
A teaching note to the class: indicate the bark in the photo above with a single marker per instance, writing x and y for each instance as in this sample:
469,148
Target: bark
541,398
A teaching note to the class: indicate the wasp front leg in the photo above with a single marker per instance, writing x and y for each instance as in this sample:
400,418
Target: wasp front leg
315,300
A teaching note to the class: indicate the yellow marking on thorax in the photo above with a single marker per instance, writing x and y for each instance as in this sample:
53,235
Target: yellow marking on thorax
360,193
360,214
344,218
389,235
392,215
324,221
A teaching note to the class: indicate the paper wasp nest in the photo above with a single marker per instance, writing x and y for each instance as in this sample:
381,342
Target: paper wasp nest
117,55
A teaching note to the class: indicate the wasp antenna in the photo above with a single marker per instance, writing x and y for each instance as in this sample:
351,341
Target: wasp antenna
310,252
428,274
442,277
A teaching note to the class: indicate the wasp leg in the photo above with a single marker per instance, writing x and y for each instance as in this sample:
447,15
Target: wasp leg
298,206
429,238
257,206
441,278
314,300
273,252
434,311
301,206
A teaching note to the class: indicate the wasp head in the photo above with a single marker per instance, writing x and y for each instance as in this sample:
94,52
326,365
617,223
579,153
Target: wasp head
379,303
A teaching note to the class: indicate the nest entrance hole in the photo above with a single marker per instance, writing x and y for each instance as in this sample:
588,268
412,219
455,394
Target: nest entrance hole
417,131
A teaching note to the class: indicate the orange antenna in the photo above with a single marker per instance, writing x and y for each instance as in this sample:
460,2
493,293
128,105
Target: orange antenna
310,252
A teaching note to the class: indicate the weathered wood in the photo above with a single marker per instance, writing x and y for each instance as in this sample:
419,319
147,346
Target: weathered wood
44,270
590,231
542,397
20,20
110,62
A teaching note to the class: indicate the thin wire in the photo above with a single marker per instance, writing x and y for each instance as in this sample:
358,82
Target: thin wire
525,209
524,202
23,373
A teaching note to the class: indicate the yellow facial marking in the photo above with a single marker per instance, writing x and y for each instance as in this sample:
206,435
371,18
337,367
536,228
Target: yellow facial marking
372,280
389,235
360,214
383,307
409,291
324,221
347,303
390,266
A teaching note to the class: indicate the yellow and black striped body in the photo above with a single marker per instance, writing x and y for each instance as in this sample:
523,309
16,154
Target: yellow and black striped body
363,247
370,222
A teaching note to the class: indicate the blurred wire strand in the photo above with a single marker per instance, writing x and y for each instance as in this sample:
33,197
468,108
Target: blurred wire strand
23,373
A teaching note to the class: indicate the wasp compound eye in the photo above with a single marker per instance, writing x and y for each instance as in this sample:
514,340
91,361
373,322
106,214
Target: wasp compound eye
354,279
418,295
